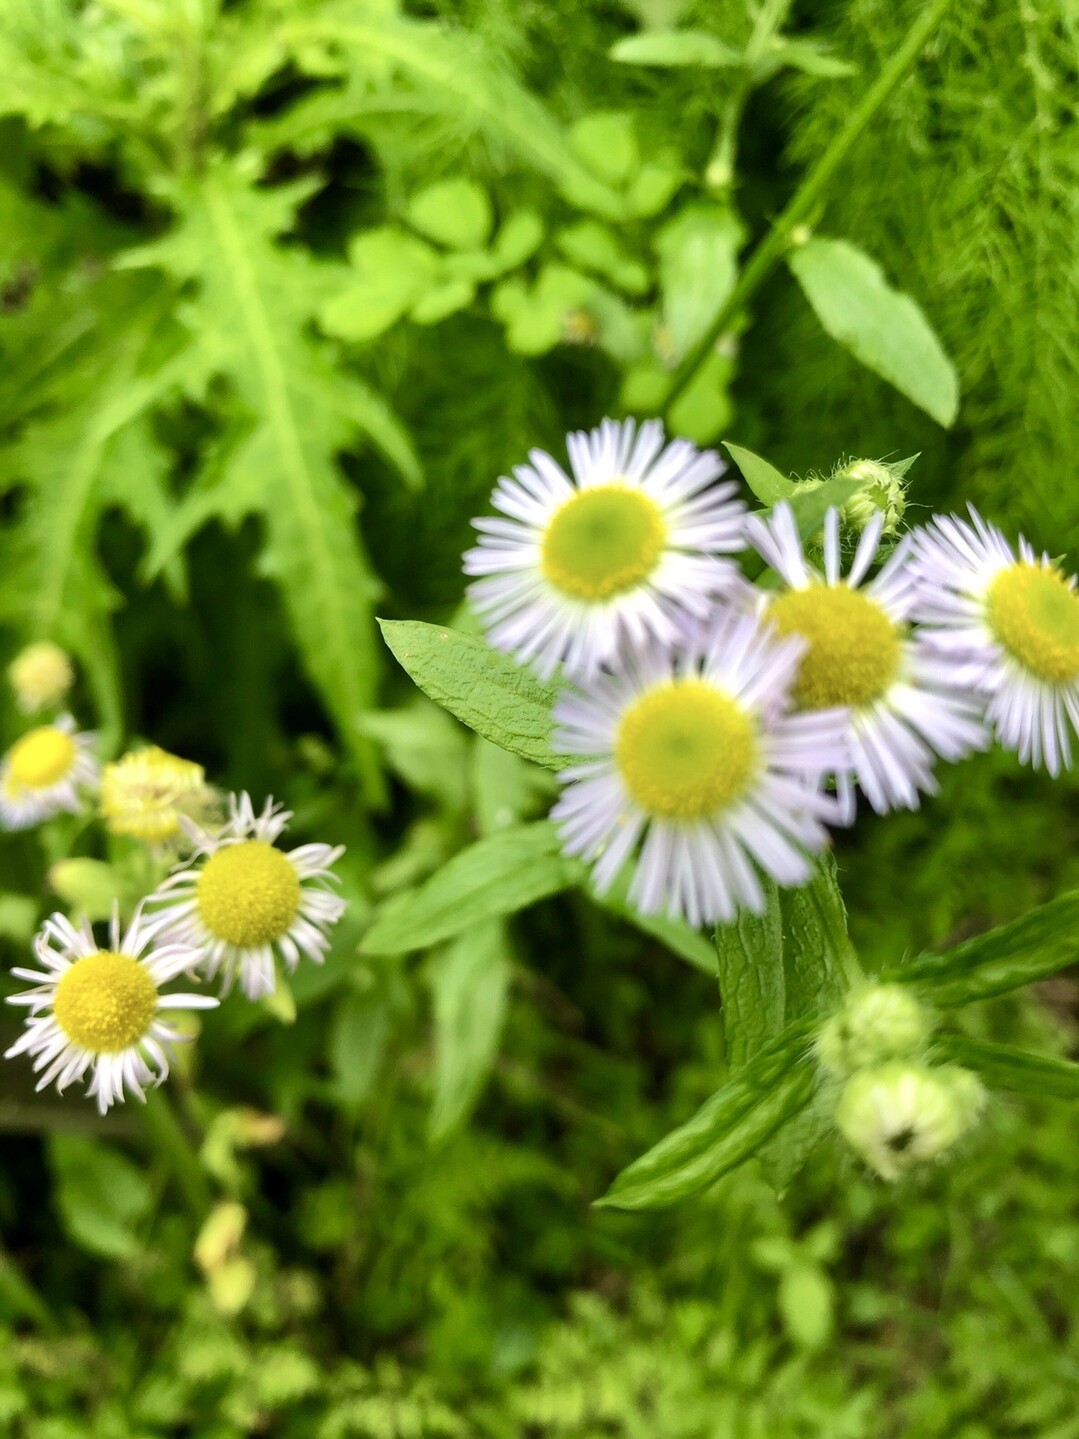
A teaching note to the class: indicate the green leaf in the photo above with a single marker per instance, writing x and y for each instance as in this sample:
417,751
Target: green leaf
518,240
763,479
811,506
727,1130
1004,1066
1042,943
505,788
498,699
698,265
495,876
356,1042
606,142
594,247
752,984
807,1305
805,55
101,1195
391,271
455,213
672,48
884,329
424,746
249,320
470,981
678,936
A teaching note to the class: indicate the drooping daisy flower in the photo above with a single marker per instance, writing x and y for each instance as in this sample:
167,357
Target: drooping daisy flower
1010,627
905,704
902,1114
241,898
40,675
42,772
693,754
100,1009
625,550
145,792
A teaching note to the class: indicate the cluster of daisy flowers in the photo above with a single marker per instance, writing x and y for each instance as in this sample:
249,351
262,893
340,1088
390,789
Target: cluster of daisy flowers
232,906
720,726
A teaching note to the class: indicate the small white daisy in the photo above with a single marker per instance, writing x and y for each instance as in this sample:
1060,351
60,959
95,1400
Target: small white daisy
624,551
241,897
42,773
906,706
693,753
99,1009
1009,626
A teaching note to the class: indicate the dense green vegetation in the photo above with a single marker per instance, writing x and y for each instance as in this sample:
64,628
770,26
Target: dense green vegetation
284,286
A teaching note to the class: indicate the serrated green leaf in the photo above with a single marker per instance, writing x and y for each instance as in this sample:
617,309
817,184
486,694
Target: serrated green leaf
455,213
495,876
500,700
763,479
1043,942
1005,1066
675,48
882,328
470,984
727,1130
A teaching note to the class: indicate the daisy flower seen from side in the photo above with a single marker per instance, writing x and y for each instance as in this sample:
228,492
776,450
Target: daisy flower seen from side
905,706
100,1010
241,898
625,549
1009,624
691,754
42,773
145,793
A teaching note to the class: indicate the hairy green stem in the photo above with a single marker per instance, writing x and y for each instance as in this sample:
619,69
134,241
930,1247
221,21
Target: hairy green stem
720,172
810,192
167,1137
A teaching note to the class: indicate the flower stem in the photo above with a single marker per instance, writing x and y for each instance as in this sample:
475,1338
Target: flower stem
167,1137
809,192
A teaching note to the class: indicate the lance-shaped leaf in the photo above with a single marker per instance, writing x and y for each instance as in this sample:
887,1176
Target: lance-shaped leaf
495,876
249,320
1005,1066
500,700
1040,944
727,1130
470,984
881,327
766,482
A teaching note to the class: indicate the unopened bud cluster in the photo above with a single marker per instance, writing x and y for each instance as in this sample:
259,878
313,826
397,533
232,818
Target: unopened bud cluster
881,491
896,1109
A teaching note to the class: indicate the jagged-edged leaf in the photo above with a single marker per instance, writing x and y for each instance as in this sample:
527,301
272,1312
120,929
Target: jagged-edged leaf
883,328
249,320
500,700
763,479
1043,942
727,1130
497,875
470,984
1005,1066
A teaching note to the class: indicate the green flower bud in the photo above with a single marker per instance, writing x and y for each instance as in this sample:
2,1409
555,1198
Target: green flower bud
877,1022
900,1115
882,492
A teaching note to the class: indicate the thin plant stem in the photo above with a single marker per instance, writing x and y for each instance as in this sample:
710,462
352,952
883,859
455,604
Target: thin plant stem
810,192
167,1137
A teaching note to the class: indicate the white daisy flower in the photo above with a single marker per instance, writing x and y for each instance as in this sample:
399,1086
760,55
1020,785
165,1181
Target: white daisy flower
42,773
1010,627
693,754
100,1009
624,551
905,704
241,898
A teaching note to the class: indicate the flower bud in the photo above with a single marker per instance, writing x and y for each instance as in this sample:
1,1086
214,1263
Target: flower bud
900,1115
41,676
881,491
878,1022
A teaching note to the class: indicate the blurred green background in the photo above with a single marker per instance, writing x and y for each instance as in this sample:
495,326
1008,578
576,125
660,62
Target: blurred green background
284,286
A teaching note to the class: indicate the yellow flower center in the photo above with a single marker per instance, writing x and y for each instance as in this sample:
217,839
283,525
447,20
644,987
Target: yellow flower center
603,541
853,652
41,758
248,893
685,750
105,1002
1035,616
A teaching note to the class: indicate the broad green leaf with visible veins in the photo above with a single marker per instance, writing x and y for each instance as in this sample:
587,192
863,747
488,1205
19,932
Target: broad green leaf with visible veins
249,320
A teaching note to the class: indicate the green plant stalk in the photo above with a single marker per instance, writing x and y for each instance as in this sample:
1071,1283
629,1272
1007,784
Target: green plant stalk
720,171
809,193
168,1139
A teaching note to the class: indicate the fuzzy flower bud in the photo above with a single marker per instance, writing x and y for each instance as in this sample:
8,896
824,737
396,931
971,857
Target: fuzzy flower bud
145,793
900,1115
41,676
882,492
878,1022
